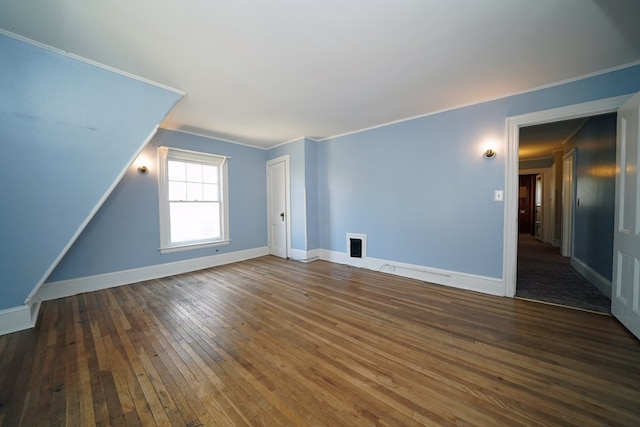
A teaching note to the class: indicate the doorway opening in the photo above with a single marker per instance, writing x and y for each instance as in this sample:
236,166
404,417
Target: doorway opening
547,179
548,273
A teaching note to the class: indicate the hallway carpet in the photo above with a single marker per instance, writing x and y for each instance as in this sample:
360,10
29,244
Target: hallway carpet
544,275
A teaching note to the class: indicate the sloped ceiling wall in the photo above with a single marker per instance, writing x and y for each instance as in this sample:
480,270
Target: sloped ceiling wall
265,72
69,129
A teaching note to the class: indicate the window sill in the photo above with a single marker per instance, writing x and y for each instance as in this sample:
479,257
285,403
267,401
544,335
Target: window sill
189,247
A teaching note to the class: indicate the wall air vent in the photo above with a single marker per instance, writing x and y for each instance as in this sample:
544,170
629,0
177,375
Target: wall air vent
355,248
356,245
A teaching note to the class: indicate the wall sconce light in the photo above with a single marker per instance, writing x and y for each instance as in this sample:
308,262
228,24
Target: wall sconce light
489,153
141,163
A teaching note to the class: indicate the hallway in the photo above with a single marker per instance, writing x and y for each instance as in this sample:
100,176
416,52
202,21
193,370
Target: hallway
544,275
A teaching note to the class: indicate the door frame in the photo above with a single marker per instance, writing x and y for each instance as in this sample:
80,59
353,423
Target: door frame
548,214
512,131
287,200
568,201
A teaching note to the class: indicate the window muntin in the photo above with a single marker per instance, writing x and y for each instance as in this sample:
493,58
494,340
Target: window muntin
193,211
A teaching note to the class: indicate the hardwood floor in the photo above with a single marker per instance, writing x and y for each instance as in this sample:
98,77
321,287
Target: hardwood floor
276,342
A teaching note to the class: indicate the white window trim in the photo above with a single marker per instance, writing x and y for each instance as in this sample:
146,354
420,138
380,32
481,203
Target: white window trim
164,153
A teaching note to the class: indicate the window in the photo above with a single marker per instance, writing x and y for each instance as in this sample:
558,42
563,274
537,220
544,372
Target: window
193,199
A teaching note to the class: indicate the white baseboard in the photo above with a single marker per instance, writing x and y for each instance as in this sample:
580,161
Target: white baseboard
65,288
304,256
19,318
24,317
595,278
487,285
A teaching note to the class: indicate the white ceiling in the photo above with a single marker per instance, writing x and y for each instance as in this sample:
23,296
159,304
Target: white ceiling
266,72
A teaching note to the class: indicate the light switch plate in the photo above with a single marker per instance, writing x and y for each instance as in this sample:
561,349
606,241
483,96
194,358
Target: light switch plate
498,195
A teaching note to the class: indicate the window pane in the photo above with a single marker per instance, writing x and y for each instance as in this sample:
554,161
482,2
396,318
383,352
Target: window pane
177,190
210,174
194,221
193,210
210,192
194,172
176,171
194,191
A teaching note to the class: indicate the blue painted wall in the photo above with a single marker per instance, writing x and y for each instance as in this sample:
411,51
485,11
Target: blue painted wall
421,190
125,232
68,129
595,167
311,185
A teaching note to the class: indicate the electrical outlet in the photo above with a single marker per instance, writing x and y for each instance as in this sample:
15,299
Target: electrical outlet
498,196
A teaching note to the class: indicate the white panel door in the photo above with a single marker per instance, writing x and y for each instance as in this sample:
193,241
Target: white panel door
277,209
625,298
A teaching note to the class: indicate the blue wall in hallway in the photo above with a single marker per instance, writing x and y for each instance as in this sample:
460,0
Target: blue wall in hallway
595,167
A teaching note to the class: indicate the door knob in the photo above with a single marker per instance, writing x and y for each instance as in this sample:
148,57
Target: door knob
282,216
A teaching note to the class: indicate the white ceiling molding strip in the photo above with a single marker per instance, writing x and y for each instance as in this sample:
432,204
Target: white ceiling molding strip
88,61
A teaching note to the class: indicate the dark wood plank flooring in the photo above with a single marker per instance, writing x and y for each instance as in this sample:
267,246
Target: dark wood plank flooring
276,342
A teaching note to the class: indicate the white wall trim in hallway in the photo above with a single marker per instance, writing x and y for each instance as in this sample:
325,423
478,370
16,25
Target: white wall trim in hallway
592,276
